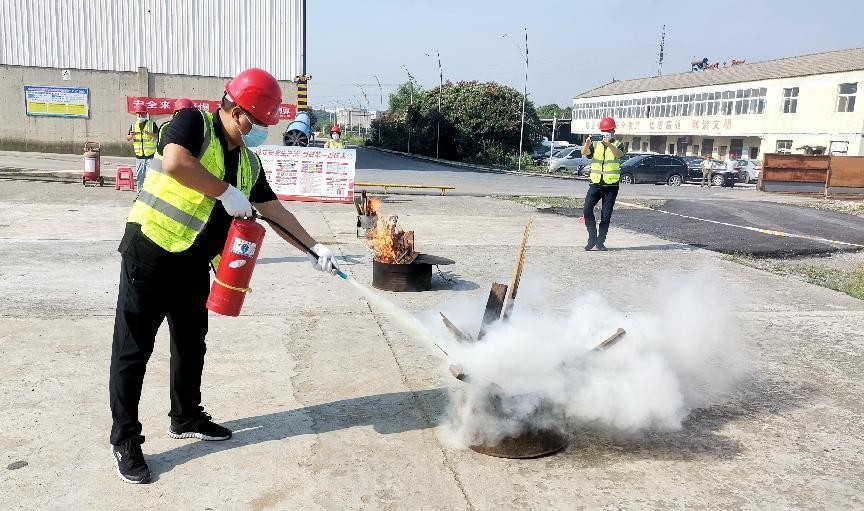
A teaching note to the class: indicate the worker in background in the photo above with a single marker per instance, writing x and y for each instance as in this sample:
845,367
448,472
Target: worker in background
204,173
144,135
334,142
180,104
707,166
605,153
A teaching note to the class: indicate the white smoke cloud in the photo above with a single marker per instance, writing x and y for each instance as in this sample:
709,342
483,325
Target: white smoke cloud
682,350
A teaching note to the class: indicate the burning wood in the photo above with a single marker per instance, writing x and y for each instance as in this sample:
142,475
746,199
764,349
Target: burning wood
389,243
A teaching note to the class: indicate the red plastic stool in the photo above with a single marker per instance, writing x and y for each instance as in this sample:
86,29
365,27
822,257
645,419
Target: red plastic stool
124,176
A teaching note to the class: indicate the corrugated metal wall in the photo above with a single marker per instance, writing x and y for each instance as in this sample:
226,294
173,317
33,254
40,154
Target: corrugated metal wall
189,37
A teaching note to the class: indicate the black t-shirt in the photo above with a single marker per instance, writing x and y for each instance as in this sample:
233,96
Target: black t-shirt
187,129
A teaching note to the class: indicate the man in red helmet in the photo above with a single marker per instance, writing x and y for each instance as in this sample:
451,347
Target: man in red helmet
203,174
334,142
180,104
605,153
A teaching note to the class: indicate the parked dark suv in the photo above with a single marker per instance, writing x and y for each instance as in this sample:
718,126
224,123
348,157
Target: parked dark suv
654,168
721,175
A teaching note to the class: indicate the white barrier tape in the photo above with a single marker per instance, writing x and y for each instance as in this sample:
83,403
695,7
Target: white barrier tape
754,229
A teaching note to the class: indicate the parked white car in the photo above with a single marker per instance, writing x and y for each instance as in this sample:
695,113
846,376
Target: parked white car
748,170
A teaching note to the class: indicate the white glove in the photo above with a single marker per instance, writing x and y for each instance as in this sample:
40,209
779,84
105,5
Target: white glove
235,203
326,260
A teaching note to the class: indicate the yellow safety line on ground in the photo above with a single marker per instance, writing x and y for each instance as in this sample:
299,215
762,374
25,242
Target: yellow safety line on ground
754,229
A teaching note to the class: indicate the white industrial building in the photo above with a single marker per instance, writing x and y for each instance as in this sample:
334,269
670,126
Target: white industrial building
105,50
789,105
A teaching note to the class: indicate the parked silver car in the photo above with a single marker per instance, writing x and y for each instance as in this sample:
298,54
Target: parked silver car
569,159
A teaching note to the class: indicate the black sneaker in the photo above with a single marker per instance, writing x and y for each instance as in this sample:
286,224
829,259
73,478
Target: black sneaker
590,245
602,247
202,428
130,463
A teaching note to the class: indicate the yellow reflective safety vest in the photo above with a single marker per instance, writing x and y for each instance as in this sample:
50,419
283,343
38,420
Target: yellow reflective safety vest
173,215
145,147
605,164
334,144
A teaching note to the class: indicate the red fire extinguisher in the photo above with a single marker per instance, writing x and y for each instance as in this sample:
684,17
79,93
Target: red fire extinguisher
231,282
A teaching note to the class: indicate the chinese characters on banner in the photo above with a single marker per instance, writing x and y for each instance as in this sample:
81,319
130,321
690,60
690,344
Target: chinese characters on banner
165,106
668,125
309,173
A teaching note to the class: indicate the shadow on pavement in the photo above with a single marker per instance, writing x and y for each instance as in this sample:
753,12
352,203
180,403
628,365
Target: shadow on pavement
396,412
701,432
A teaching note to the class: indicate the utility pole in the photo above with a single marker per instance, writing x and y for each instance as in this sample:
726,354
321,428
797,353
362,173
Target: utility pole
440,90
381,106
552,142
524,98
662,43
407,119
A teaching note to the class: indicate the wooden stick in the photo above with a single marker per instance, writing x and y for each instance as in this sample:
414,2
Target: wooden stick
517,276
611,341
364,202
454,330
460,375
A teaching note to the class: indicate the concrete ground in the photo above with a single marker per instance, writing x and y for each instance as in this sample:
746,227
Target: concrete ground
334,407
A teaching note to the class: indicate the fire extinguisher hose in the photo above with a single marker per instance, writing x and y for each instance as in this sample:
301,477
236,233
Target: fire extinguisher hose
288,233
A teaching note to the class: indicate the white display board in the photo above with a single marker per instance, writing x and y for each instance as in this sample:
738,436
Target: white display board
309,173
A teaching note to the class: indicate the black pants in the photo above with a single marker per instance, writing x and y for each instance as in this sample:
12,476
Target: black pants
595,193
146,297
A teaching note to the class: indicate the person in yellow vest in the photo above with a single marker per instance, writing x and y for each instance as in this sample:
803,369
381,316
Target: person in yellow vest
143,134
334,142
605,153
203,174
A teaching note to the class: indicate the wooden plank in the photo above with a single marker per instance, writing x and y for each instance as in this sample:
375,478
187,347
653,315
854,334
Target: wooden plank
517,275
454,330
494,307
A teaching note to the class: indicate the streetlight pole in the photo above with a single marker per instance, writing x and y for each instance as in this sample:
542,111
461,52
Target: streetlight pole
407,119
380,105
524,98
440,90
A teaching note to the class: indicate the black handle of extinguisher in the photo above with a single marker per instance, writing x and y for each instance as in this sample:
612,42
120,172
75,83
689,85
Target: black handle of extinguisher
288,233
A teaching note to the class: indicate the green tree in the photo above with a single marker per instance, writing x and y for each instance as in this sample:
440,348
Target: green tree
479,122
553,110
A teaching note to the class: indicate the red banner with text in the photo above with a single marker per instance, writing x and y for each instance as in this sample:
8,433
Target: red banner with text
165,106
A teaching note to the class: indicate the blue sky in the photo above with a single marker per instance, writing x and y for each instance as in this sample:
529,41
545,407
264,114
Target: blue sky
351,41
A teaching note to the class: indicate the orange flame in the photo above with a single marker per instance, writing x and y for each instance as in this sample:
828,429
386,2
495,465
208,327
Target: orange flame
387,241
374,207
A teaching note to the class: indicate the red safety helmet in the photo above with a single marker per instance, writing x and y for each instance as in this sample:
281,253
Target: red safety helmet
140,110
607,124
182,103
335,129
257,92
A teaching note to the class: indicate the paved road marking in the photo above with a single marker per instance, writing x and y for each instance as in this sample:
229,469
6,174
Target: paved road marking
754,229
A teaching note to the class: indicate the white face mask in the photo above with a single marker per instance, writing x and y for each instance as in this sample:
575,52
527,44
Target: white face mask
142,119
334,136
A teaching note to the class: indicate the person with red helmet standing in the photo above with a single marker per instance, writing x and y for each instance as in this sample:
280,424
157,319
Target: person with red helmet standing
203,174
605,153
180,104
334,142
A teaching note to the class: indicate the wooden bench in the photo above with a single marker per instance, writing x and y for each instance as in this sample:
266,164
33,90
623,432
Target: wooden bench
387,186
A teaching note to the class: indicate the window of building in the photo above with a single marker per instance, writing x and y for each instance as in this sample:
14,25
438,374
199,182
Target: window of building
790,100
784,146
846,97
838,148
